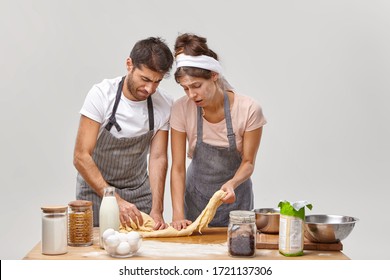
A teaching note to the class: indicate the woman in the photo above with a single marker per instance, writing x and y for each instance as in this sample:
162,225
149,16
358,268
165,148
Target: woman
223,130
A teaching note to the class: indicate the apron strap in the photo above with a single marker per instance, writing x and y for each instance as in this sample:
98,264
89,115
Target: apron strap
150,113
112,120
199,130
229,125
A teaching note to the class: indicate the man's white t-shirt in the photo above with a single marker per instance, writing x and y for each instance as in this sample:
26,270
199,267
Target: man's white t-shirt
132,116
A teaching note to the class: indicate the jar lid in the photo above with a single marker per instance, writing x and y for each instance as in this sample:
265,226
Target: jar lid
241,216
54,209
80,203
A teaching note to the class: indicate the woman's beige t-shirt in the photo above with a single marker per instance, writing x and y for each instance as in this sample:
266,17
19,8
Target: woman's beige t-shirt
246,114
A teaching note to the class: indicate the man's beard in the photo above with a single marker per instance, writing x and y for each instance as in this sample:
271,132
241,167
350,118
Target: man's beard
130,87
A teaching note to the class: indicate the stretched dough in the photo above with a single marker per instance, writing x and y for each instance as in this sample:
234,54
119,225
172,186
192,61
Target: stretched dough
146,230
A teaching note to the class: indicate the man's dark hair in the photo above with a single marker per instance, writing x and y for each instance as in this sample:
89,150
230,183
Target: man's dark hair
152,53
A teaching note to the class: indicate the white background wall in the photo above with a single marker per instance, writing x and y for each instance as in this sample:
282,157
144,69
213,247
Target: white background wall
320,70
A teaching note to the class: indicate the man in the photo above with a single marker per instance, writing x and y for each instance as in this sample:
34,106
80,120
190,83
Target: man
122,120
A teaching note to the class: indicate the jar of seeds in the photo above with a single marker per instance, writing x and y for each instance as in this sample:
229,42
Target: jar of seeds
242,234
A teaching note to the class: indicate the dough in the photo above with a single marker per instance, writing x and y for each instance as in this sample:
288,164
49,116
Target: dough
146,230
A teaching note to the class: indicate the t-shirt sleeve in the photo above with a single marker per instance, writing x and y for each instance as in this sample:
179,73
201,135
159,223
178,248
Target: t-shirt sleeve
169,101
165,126
256,118
177,120
93,106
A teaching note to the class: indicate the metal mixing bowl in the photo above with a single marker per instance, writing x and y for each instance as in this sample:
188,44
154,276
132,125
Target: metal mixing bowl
328,228
267,219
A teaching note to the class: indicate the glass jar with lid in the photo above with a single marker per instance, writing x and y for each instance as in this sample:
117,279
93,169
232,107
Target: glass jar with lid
54,230
80,223
242,233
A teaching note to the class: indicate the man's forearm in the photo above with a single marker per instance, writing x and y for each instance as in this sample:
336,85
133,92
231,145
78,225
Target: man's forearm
157,176
91,174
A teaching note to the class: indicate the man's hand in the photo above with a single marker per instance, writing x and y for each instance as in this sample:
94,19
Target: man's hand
128,211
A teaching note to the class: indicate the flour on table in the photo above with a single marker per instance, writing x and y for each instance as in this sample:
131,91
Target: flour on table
152,248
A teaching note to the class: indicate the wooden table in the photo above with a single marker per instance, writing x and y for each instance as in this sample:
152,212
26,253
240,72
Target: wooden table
211,244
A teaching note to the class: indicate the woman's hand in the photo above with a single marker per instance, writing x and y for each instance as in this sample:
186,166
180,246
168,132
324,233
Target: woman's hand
158,221
180,224
230,194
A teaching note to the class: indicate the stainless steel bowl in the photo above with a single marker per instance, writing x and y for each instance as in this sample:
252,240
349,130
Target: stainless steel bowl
267,219
328,228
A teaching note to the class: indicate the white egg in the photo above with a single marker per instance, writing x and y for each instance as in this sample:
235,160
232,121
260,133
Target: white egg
134,246
110,250
123,248
122,236
133,236
133,242
108,232
112,241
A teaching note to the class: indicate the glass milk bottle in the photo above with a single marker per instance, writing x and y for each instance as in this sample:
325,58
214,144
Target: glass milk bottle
108,213
54,230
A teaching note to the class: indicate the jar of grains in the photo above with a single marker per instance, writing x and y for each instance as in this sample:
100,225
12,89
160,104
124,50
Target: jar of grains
242,233
80,223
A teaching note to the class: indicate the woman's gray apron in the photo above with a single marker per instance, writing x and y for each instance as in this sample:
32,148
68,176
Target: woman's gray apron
210,168
123,164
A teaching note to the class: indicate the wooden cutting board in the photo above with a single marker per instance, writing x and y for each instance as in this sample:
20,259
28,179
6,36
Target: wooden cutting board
271,241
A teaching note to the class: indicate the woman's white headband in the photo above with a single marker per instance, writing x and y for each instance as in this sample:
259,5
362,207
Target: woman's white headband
204,62
199,61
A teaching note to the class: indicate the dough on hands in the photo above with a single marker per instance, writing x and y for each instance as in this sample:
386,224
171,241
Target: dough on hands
148,224
146,230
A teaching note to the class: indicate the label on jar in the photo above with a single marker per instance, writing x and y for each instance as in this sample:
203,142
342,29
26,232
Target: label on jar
291,237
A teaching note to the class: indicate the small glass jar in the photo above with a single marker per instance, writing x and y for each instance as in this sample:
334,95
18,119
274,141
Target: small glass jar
80,223
54,230
242,234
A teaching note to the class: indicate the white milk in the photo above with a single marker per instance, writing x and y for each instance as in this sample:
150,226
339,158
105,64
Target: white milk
108,216
54,234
